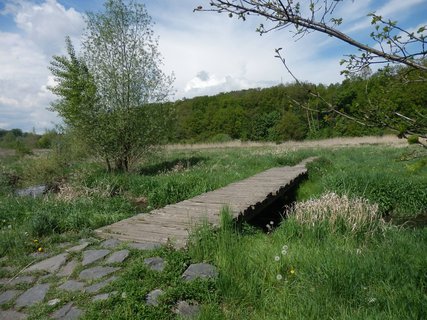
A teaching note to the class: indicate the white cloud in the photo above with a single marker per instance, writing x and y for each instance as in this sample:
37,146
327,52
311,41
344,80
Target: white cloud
46,24
393,10
24,60
205,84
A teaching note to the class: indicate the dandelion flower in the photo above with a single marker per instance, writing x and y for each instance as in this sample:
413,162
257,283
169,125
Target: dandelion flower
276,258
285,250
279,277
39,249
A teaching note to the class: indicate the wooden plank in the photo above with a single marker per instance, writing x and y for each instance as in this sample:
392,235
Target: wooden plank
190,212
155,235
147,228
179,243
241,194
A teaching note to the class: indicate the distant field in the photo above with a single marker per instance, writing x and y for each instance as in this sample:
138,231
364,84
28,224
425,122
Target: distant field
6,152
296,145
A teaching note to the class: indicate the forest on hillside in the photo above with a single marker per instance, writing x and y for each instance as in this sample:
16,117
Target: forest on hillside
377,103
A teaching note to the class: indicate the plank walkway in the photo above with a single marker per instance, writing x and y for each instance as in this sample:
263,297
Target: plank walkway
173,222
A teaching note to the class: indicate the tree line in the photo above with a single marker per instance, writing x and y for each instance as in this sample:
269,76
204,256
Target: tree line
289,112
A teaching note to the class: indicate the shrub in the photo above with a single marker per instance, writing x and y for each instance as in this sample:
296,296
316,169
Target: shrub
220,137
21,148
413,139
44,223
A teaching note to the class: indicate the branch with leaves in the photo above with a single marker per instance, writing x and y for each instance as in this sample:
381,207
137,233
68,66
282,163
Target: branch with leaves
393,43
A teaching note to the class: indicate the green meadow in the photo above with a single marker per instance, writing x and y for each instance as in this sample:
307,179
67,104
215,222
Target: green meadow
353,247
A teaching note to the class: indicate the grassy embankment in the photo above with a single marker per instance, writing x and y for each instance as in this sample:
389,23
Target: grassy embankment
332,267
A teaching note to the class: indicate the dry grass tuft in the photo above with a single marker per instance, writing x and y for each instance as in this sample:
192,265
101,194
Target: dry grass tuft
356,214
69,193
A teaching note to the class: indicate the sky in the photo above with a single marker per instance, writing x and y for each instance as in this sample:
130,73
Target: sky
208,53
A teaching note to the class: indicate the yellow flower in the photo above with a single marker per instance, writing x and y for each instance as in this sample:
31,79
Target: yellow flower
35,240
40,249
292,271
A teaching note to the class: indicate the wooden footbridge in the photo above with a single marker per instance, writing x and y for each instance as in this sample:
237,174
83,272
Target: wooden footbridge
245,199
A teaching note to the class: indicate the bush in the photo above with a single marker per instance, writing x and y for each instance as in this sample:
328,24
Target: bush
22,149
413,139
44,223
220,137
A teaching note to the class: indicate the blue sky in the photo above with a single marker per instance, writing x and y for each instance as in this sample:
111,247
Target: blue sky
208,53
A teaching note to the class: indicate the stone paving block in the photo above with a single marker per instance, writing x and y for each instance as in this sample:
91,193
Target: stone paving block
200,270
71,286
187,309
100,285
12,315
96,273
90,256
111,243
155,263
50,265
33,295
53,302
68,269
118,257
67,312
152,298
101,297
39,255
8,296
79,247
21,280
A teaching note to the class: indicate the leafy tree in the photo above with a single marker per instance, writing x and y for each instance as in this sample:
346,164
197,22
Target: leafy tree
105,94
290,127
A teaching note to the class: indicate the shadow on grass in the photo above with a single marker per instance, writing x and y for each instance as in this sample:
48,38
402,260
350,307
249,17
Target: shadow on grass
166,166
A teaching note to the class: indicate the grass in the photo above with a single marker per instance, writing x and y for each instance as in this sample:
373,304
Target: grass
320,274
345,264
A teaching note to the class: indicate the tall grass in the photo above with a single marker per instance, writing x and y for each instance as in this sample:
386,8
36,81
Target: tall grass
339,214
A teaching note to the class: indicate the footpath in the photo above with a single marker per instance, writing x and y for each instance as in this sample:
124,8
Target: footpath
88,267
